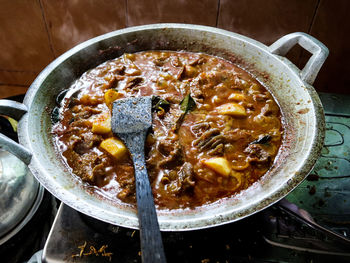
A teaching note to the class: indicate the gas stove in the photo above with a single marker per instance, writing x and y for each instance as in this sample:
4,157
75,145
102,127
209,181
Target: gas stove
311,224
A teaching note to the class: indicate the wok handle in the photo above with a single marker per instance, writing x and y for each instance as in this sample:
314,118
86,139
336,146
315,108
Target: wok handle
318,50
14,110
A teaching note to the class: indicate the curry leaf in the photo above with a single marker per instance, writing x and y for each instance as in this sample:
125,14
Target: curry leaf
55,115
158,104
61,96
187,104
263,140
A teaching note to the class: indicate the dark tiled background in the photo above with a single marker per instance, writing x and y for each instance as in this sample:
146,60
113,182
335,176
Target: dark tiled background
34,32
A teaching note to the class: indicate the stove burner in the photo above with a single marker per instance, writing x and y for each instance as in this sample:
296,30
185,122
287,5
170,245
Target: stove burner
219,244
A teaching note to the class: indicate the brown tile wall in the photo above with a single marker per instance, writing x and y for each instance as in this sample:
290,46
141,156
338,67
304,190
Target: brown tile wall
24,45
266,21
72,22
34,32
203,12
332,27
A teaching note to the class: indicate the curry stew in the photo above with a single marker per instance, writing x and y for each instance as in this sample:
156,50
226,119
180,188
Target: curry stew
216,130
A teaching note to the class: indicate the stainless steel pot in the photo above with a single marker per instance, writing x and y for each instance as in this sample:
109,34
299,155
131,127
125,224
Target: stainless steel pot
291,87
20,195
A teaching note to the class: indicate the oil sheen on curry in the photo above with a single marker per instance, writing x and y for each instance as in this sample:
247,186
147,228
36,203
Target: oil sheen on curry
215,131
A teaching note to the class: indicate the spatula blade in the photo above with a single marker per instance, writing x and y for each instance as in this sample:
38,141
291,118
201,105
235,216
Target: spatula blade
132,115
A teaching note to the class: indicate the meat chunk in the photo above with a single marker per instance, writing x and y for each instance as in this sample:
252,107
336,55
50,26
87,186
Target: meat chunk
84,165
205,136
133,82
87,141
126,180
260,97
270,108
159,61
175,61
165,147
257,154
234,135
211,141
99,171
217,151
199,128
81,110
182,182
173,153
187,72
174,159
85,114
186,177
119,69
197,60
197,93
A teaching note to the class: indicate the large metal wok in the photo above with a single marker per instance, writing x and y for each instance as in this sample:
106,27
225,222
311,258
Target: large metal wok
291,87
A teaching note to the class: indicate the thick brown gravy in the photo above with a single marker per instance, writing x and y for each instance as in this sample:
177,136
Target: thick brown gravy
216,130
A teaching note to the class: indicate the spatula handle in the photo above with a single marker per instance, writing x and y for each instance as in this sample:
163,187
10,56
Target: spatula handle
151,241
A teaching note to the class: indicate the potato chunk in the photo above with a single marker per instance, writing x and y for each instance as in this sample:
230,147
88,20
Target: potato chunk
102,124
236,97
232,109
110,96
219,165
115,147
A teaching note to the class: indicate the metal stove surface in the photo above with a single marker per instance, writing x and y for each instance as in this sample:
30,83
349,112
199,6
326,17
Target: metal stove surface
273,235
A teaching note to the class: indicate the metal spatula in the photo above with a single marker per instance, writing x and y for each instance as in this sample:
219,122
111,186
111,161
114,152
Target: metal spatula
131,119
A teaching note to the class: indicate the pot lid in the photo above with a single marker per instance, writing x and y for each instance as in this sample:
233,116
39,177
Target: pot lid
18,191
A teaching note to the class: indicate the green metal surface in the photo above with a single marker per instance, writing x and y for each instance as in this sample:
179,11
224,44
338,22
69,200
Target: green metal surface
325,194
